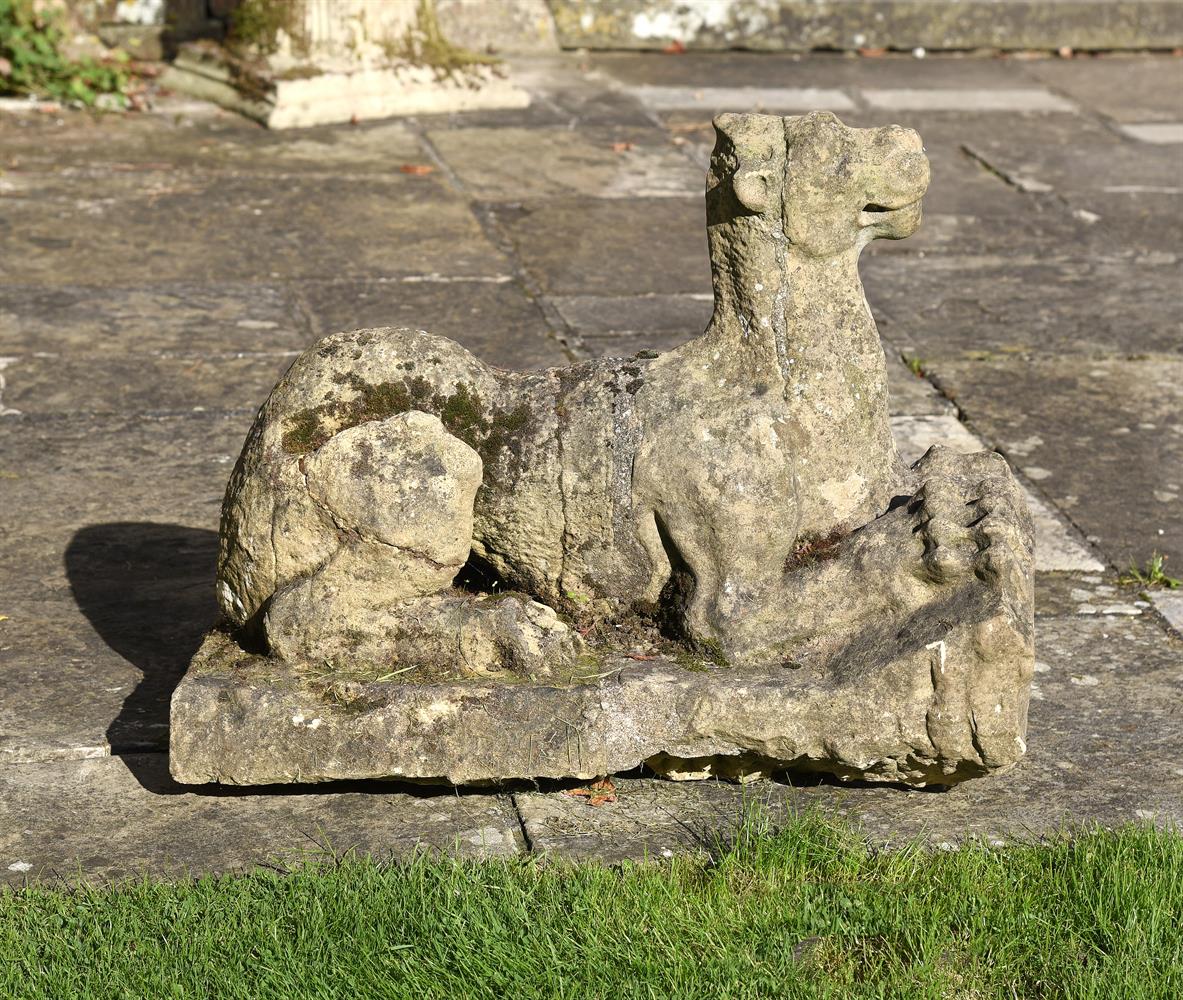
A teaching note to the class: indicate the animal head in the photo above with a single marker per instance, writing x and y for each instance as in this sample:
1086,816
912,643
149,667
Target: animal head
826,187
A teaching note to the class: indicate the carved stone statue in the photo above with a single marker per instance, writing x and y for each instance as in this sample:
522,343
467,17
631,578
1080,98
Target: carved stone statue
711,560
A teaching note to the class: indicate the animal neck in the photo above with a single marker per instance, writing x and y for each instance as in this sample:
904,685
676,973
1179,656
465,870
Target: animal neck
801,325
777,310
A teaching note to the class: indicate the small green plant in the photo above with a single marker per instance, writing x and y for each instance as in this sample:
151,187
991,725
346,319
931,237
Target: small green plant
32,59
1152,576
424,44
915,364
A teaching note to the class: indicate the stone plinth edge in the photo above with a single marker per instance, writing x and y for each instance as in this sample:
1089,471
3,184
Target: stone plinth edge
926,715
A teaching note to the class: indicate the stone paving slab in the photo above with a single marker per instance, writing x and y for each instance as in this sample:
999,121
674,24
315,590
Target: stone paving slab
991,307
88,679
624,324
1169,604
1156,133
518,164
1124,88
1065,594
217,141
178,228
493,317
651,820
220,318
41,386
1103,746
123,817
994,99
769,100
1092,164
99,479
1103,440
937,72
604,246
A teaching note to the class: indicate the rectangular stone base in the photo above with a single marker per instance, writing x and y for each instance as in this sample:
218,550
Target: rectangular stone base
329,96
243,719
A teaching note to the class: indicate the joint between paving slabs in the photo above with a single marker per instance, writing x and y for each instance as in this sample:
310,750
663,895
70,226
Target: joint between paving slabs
527,842
557,328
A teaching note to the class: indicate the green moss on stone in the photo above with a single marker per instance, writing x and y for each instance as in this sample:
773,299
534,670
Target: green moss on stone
486,430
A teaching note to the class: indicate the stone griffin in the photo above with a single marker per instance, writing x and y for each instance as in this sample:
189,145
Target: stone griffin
742,490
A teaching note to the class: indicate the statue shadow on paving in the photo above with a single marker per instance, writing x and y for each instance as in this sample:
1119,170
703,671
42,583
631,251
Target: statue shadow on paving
147,590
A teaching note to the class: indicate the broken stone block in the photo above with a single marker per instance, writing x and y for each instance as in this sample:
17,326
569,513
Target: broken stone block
710,560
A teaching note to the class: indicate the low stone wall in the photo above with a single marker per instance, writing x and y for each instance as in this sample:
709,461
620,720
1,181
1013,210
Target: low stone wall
803,25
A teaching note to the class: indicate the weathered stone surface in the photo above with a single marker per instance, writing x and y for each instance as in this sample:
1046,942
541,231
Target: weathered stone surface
718,100
651,820
239,720
508,26
622,325
124,817
743,488
68,355
1088,593
129,321
36,385
105,588
62,477
829,70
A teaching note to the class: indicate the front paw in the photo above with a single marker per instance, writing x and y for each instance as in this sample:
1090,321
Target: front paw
972,517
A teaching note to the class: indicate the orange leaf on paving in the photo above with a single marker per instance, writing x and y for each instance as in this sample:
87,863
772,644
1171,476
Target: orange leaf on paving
872,53
675,48
598,793
417,168
621,147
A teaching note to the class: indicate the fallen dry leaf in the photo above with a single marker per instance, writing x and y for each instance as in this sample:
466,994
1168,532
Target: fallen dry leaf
621,147
872,53
675,48
598,793
418,169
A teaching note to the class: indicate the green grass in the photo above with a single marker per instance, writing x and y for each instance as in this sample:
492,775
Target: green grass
809,911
